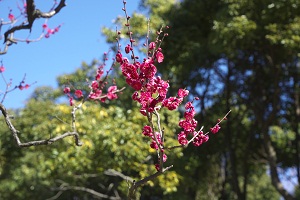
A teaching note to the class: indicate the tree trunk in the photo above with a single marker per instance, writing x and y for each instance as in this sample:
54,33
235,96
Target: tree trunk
271,156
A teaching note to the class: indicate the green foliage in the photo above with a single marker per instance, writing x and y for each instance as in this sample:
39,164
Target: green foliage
283,142
45,93
243,56
111,137
259,187
153,14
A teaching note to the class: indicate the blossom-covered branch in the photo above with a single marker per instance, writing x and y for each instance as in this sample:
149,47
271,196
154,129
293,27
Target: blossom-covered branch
151,94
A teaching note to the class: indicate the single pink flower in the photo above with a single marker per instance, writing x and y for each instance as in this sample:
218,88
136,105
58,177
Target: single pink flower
189,105
147,131
11,17
171,103
78,93
119,57
71,101
67,90
152,45
128,48
215,129
95,85
2,69
157,167
111,92
190,114
148,71
135,96
49,30
200,138
99,74
159,57
56,29
95,94
134,83
165,158
182,93
182,138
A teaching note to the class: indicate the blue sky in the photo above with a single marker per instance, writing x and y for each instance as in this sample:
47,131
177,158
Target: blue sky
78,40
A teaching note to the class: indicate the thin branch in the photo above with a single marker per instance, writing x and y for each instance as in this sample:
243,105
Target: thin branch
111,172
129,32
149,117
183,146
64,187
186,145
15,133
162,140
114,92
88,190
137,184
32,15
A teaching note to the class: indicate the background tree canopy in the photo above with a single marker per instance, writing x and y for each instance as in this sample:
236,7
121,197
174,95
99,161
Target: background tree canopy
239,55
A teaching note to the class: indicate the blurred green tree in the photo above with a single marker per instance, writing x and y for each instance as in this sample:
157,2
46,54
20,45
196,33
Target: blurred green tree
244,56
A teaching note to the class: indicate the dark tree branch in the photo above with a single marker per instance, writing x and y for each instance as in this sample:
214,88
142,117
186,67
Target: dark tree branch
137,184
271,156
15,132
32,15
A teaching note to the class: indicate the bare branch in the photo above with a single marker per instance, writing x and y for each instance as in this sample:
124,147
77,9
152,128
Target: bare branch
112,172
64,187
137,184
15,133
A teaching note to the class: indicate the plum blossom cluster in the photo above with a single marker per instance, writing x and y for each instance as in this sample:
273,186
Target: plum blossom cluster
23,85
96,88
151,93
98,85
150,90
94,95
189,125
48,31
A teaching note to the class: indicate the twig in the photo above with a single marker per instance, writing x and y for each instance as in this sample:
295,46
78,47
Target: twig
15,133
183,146
65,187
135,185
32,15
111,172
162,140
